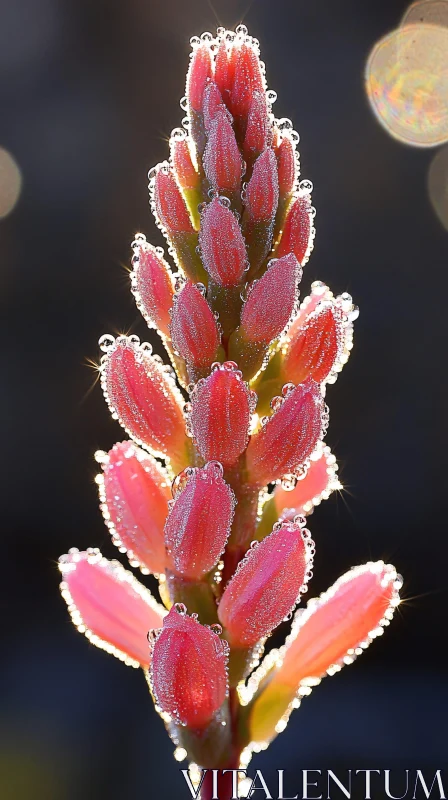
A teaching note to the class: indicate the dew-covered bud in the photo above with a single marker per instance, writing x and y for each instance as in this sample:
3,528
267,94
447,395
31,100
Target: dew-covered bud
266,586
256,138
222,245
296,236
247,79
144,399
262,190
222,159
134,493
271,301
289,436
198,524
152,285
188,670
194,331
184,169
109,606
224,68
313,348
212,104
220,415
286,165
171,208
199,73
333,630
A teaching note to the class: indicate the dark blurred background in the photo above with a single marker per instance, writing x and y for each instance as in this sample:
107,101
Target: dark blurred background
89,93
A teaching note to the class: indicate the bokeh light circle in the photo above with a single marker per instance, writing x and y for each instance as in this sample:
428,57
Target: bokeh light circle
427,12
438,185
10,183
407,84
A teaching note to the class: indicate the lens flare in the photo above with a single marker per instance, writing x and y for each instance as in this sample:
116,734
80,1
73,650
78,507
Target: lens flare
407,84
427,12
10,183
438,185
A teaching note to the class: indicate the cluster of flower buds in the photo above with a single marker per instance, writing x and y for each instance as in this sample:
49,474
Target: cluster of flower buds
226,455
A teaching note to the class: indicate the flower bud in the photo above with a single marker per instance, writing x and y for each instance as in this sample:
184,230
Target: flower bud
296,236
170,206
198,524
224,69
267,585
331,632
194,331
212,104
199,73
288,437
313,349
256,138
188,669
222,159
262,190
109,606
220,415
247,79
319,482
134,493
222,244
286,165
152,285
144,398
271,301
184,169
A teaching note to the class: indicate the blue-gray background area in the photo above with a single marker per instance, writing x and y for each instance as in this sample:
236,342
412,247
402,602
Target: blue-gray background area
89,92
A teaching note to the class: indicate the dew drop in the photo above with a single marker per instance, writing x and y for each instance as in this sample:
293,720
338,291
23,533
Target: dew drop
306,187
216,628
241,30
181,608
183,102
214,470
271,96
106,342
195,41
224,201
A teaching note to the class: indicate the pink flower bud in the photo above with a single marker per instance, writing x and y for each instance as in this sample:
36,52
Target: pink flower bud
271,301
313,349
256,138
222,244
267,585
286,165
319,482
194,331
222,159
212,104
247,79
224,69
262,191
109,606
188,669
220,415
199,73
296,236
134,493
289,436
198,524
331,632
184,169
152,285
144,398
170,206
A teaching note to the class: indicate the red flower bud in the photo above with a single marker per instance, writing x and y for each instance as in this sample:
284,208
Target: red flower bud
152,284
318,483
267,585
143,397
188,669
170,206
286,165
256,138
198,524
222,244
331,632
314,348
289,436
224,69
262,190
222,160
199,73
247,79
271,301
194,331
220,415
296,236
185,171
109,606
212,104
134,493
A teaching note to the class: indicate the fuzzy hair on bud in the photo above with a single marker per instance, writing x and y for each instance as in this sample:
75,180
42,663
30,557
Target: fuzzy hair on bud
271,301
152,285
194,331
222,159
222,245
296,236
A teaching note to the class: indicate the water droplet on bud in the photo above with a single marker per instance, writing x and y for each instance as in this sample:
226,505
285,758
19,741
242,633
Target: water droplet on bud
181,608
106,342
